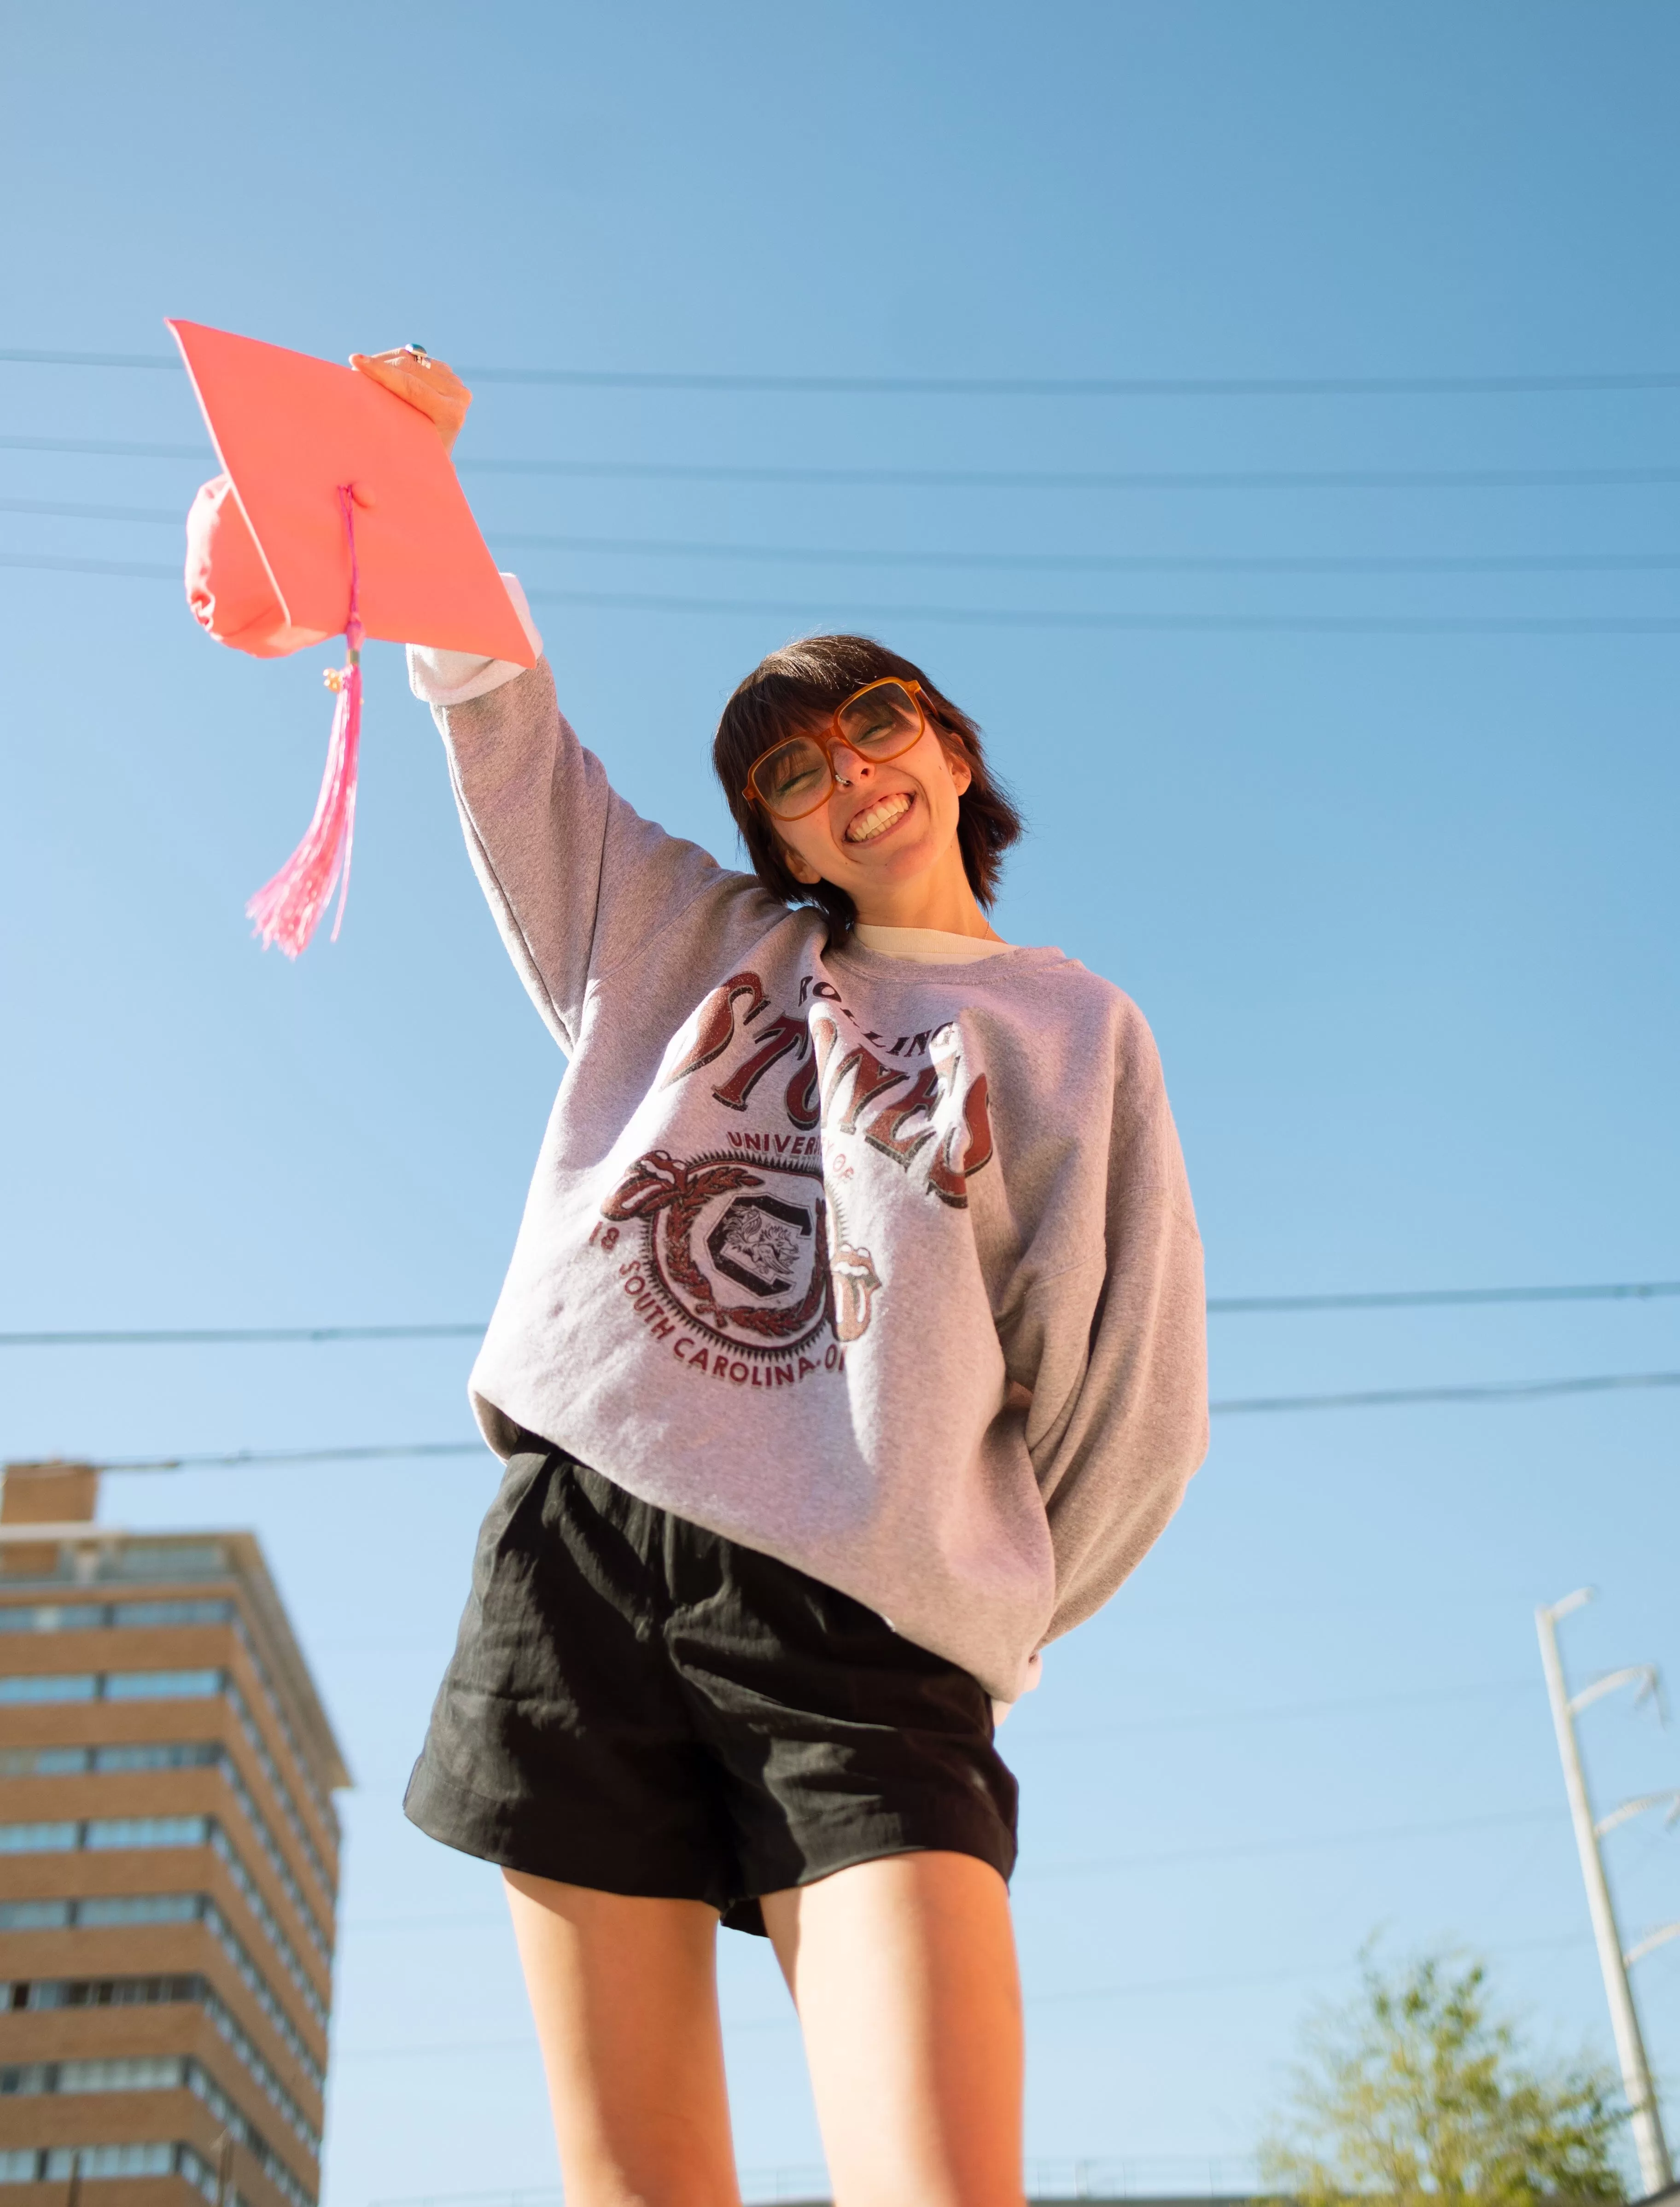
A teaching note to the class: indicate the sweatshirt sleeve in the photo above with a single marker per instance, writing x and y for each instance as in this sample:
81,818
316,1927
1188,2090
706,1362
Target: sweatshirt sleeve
1119,1419
577,880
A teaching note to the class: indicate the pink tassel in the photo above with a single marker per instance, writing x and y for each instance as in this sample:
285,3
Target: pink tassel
288,909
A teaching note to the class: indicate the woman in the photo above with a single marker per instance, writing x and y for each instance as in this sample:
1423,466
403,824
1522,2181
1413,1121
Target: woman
851,1349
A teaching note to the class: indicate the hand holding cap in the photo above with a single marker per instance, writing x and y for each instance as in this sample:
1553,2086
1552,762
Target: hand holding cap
409,373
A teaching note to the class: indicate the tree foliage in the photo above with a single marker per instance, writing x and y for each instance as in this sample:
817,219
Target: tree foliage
1415,2091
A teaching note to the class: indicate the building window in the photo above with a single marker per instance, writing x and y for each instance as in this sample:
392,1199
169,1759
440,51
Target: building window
161,1685
43,1762
82,1688
105,1832
109,1911
152,2159
61,1617
174,1559
49,1617
179,1755
151,2073
160,1754
188,1754
97,1616
38,1838
125,1614
48,1993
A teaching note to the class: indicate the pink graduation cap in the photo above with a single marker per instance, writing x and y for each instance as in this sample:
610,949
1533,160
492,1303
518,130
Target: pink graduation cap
340,514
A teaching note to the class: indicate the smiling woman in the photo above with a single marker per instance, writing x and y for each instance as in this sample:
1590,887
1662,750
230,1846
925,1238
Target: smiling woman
893,766
851,1352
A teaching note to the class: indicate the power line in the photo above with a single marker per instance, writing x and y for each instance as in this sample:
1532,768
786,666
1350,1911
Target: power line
1131,623
1269,1977
33,357
47,563
1218,1306
1497,1390
223,1336
1105,563
965,478
1123,563
62,510
1163,1859
1248,1981
1278,1712
1004,616
107,448
980,386
1177,1725
1094,386
238,1458
1382,1834
1386,1398
811,2179
1427,1298
1086,479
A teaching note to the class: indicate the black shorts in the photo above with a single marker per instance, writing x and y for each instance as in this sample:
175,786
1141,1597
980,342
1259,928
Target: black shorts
642,1707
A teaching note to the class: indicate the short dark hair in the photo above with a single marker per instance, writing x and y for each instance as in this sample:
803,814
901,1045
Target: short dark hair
799,687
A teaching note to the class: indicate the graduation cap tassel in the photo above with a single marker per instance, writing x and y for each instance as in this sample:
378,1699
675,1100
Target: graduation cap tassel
288,909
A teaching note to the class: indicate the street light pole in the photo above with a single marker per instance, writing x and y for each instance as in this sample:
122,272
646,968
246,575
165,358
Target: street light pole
1655,2171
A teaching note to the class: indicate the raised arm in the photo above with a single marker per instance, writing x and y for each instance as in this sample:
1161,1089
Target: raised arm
578,881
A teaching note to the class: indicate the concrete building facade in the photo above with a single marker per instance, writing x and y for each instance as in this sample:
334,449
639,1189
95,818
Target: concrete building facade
169,1865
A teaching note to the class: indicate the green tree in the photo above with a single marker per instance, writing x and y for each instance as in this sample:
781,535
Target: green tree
1415,2091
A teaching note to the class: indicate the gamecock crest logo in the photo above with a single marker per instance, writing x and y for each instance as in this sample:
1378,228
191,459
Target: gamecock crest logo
743,1253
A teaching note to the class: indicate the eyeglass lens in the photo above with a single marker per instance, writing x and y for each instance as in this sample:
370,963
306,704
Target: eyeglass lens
795,777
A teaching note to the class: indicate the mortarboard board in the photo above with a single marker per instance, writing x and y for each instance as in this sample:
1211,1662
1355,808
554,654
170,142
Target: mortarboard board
344,515
291,431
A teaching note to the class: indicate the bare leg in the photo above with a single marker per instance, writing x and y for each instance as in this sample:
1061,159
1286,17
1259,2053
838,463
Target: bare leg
625,1996
904,1974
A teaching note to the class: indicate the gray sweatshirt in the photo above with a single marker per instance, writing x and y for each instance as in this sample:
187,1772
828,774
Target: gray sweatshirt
885,1269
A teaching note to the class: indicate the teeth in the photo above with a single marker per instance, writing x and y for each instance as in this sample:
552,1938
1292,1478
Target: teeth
876,819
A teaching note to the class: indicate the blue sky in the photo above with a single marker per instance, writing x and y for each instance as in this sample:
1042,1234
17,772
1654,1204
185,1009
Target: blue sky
1399,906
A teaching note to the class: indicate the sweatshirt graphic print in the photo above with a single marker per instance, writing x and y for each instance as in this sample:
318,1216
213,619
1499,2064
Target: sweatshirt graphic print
744,1252
887,1268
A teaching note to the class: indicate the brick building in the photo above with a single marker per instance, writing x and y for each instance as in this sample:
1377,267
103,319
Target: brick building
168,1854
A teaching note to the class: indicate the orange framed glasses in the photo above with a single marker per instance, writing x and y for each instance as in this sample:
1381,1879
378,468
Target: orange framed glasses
796,776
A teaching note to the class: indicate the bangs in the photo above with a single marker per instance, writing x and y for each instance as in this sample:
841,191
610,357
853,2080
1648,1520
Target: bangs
799,688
